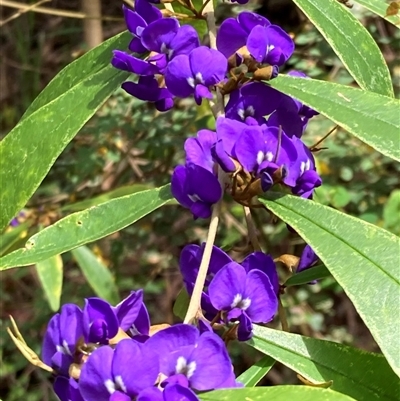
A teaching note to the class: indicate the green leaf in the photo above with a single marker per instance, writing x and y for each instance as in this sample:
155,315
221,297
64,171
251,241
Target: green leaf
50,273
97,274
82,68
304,277
391,212
364,260
362,375
252,376
87,226
379,7
181,304
31,148
275,393
370,117
351,42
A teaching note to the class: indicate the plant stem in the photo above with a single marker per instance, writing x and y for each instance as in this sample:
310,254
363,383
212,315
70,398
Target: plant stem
251,229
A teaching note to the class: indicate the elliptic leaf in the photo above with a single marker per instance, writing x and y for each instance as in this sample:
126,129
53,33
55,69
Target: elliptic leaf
97,274
305,276
275,393
362,375
87,226
31,148
380,7
351,42
364,260
252,376
373,118
50,273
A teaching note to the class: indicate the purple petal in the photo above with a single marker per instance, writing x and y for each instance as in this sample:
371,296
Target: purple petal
147,11
264,301
198,150
282,41
227,283
52,339
222,157
146,366
178,186
151,394
118,396
213,365
201,210
231,37
307,259
71,325
229,132
185,40
172,338
209,64
202,183
248,20
249,147
135,46
201,92
158,34
127,62
133,21
257,43
265,263
99,321
177,75
128,310
96,381
67,389
176,392
245,329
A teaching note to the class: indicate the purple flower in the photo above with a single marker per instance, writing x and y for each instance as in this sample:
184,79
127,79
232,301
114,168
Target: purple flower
137,20
196,188
127,62
266,43
308,259
118,375
303,177
168,39
198,150
63,332
67,389
147,89
252,102
202,360
243,296
195,73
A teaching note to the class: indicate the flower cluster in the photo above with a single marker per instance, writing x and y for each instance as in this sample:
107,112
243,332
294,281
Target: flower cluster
236,294
257,143
106,353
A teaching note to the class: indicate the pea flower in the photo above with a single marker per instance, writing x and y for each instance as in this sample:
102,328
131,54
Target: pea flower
120,374
195,73
67,389
266,43
244,296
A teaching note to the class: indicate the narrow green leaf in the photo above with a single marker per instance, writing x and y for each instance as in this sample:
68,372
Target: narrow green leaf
362,375
253,375
97,274
275,393
351,42
304,277
379,7
364,260
82,68
370,117
50,273
31,148
181,304
87,226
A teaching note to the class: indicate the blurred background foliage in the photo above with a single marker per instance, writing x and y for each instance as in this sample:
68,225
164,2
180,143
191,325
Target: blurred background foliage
129,146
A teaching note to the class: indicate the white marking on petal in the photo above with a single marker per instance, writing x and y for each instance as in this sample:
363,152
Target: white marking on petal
110,386
270,47
139,31
302,167
236,300
120,383
250,111
185,368
307,165
269,156
199,78
241,113
191,82
245,303
164,48
260,157
194,198
66,348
